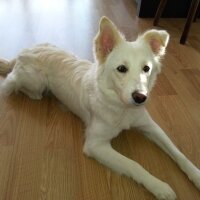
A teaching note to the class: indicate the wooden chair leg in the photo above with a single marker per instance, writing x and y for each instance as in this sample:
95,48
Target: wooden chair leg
159,12
190,18
197,13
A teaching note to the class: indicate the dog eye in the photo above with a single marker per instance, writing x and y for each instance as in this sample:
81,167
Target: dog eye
122,69
146,68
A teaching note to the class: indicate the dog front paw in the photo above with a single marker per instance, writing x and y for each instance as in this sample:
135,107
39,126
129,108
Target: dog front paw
163,191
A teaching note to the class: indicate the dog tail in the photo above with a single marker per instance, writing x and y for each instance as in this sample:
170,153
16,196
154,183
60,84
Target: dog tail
6,66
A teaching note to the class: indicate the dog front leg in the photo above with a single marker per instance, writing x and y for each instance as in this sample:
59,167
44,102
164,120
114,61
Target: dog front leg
101,150
152,131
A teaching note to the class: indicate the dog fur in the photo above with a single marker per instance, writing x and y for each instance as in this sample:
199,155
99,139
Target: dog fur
108,95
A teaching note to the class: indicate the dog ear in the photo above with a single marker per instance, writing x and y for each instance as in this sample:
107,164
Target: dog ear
157,40
106,39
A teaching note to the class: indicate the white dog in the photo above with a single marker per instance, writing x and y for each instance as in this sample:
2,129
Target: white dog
108,95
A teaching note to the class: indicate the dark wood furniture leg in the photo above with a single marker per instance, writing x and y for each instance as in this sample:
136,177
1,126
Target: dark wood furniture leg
197,13
159,12
190,18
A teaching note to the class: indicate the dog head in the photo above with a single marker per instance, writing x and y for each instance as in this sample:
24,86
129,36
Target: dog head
127,70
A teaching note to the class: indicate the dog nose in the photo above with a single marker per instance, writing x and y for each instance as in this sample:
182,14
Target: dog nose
139,97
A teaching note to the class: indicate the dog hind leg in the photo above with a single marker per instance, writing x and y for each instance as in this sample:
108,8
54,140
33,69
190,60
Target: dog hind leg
31,94
8,85
26,79
33,84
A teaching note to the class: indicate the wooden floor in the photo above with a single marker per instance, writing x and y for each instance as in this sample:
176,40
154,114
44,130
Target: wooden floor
41,143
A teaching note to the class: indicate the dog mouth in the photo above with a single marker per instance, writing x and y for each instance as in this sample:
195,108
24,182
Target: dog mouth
139,104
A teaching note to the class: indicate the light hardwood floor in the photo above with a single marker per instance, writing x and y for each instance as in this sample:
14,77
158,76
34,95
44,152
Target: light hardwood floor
41,143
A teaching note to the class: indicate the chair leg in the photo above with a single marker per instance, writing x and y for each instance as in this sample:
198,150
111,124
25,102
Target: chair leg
190,18
197,14
159,12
